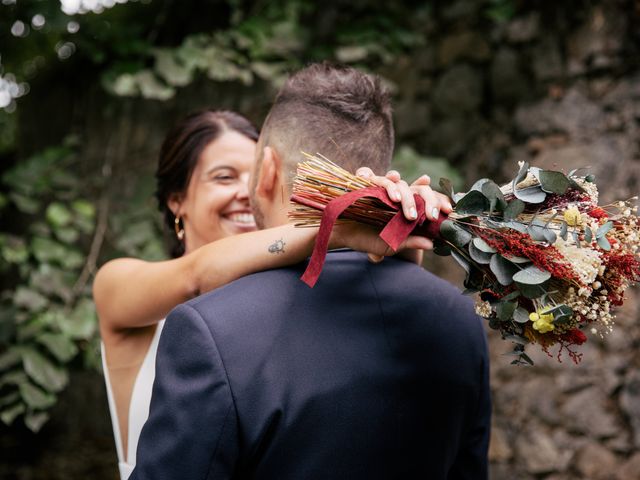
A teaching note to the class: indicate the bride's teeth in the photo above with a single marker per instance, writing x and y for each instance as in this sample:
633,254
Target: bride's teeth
242,218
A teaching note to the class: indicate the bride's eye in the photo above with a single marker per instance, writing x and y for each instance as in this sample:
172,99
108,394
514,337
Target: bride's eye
224,176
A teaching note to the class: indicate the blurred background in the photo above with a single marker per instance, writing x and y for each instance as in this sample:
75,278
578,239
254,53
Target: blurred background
88,89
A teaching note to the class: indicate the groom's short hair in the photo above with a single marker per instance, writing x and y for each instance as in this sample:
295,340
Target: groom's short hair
337,111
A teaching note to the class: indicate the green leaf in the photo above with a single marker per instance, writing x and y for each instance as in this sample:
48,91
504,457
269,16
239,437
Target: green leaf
532,275
84,209
553,182
483,246
15,377
455,234
561,313
25,204
35,420
477,186
504,310
8,399
43,371
14,249
477,255
67,235
602,231
10,414
9,358
34,397
30,299
513,209
58,215
473,203
502,269
512,296
526,358
604,243
521,315
517,339
81,324
531,194
59,345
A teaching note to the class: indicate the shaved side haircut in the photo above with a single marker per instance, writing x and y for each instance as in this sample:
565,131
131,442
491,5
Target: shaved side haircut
337,111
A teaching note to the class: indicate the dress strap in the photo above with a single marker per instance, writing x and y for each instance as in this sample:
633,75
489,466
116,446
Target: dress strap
112,407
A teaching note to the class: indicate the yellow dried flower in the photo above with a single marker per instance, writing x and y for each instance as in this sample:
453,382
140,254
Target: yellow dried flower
572,216
542,321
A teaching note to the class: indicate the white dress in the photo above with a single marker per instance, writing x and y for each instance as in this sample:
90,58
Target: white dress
139,407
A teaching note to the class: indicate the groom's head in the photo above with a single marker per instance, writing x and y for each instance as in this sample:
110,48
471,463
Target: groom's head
337,111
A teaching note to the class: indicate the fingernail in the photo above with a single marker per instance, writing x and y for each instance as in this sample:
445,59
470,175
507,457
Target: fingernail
434,212
412,212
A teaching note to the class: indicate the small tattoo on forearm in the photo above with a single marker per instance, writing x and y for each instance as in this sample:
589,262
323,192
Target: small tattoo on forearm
277,246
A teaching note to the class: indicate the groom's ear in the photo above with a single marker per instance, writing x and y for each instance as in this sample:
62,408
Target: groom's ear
268,184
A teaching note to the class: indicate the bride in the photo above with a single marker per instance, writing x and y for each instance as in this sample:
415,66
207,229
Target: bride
202,188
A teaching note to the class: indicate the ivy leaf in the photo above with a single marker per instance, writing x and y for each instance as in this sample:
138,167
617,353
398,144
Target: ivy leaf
43,371
25,204
35,420
35,397
58,215
502,269
473,203
10,414
553,182
59,345
30,299
82,323
84,209
532,275
513,209
454,233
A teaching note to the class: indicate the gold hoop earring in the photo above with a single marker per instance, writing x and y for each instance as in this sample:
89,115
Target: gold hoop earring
178,229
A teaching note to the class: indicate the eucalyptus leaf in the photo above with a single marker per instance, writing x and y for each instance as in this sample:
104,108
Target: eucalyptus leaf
550,236
604,243
34,397
564,230
513,209
588,235
517,226
477,186
473,203
532,275
504,310
521,315
483,246
522,174
454,233
463,262
477,255
502,269
526,358
531,194
602,231
495,196
553,182
43,371
518,260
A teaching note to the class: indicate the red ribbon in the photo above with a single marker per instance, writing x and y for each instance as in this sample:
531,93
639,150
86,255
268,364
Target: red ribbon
394,233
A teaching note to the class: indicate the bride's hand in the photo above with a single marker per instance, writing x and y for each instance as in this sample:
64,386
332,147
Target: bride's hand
400,191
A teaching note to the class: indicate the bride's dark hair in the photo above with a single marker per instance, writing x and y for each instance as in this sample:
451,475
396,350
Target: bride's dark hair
179,156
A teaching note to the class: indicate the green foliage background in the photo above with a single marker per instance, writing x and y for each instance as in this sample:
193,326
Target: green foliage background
57,219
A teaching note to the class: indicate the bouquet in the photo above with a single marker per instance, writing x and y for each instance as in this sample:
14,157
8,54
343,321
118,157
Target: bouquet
545,259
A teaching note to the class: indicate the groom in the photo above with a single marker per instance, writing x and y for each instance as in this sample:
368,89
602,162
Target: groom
378,372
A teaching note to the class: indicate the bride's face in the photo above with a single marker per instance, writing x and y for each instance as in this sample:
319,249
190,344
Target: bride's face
216,203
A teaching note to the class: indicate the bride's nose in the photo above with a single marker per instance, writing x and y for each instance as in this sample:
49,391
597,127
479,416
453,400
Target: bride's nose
243,188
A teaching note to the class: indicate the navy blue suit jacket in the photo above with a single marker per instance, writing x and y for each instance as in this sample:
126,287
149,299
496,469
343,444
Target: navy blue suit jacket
379,372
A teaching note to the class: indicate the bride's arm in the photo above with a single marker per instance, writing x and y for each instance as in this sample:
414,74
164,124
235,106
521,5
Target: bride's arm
131,293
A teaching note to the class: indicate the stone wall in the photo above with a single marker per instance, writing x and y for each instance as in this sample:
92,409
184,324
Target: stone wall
557,85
